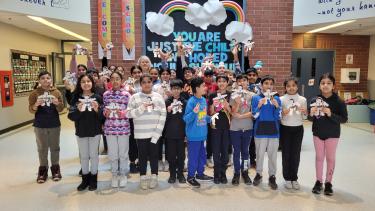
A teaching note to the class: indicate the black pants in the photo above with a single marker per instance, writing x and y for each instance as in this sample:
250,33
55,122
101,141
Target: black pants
291,140
176,156
105,143
220,144
208,142
147,151
133,149
162,141
252,152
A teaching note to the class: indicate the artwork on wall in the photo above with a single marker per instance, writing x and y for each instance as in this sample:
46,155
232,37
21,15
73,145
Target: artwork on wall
6,88
350,75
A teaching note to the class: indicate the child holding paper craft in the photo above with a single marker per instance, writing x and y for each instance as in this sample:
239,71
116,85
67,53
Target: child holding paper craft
326,131
47,126
294,108
88,125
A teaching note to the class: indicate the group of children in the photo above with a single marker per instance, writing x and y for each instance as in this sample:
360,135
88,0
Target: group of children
146,109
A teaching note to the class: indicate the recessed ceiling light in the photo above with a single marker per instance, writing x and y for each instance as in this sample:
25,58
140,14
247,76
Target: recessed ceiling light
330,26
52,25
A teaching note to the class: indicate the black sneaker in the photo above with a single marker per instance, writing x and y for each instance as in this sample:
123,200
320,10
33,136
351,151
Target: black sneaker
204,177
193,182
223,179
181,179
317,189
42,174
272,182
56,174
257,180
172,180
133,168
246,178
217,180
236,179
328,189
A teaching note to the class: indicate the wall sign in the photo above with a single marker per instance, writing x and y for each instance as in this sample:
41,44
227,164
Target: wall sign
350,75
128,29
349,58
6,88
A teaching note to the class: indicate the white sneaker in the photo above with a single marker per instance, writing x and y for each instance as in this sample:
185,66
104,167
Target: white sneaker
288,185
210,163
154,181
144,182
160,165
115,181
166,166
123,181
295,185
230,162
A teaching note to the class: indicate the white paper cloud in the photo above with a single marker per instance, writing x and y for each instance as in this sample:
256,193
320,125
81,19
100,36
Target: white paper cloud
160,24
211,13
240,31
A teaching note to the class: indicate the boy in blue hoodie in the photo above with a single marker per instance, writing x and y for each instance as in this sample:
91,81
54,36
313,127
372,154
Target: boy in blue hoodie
266,110
196,120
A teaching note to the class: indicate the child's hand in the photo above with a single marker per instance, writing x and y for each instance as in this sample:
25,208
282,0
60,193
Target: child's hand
275,103
95,106
38,102
169,109
261,102
196,109
302,110
226,106
313,110
286,111
327,111
79,106
236,115
238,100
55,101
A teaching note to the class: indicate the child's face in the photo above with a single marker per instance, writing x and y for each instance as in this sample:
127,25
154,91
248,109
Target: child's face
188,75
137,73
208,78
230,76
146,85
221,70
243,83
326,86
201,90
154,74
291,87
222,84
267,85
176,91
95,77
45,81
81,70
252,77
86,84
165,76
116,81
173,75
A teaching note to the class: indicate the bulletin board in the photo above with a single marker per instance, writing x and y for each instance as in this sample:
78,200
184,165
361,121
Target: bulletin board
26,68
6,87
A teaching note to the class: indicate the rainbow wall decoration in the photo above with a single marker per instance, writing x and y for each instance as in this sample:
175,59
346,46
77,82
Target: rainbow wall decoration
172,6
235,9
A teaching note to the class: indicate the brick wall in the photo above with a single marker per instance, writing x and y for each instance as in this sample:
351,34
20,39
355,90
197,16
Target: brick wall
342,45
272,22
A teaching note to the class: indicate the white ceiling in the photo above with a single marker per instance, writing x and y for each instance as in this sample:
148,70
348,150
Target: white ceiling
22,21
364,26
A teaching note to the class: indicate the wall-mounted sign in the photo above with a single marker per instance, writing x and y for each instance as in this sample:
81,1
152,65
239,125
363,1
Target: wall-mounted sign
349,58
350,75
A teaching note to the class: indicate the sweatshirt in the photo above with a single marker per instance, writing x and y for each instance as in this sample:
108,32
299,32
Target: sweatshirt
326,127
175,125
117,125
294,117
87,123
148,122
196,123
267,118
46,116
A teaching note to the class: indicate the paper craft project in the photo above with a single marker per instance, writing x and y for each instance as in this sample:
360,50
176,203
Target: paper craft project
293,107
160,24
219,102
239,92
109,45
106,72
47,99
269,95
214,118
113,108
86,103
211,13
70,77
207,63
80,50
249,45
150,106
176,106
319,104
130,81
188,49
165,86
156,52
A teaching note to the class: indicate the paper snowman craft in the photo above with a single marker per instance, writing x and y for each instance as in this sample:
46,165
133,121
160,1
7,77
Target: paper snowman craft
293,107
176,106
47,99
86,103
113,107
319,104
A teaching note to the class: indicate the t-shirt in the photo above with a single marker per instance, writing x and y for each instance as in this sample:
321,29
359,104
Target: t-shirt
224,117
242,124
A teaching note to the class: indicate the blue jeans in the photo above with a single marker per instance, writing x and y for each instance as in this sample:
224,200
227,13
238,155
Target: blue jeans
240,141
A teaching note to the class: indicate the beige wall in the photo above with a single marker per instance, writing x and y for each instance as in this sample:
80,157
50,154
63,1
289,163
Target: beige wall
371,69
19,39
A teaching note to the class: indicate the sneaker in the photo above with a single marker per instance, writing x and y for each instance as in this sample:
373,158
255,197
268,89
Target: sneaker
288,184
328,191
257,179
204,177
317,189
114,181
210,163
56,174
236,179
272,182
230,162
295,185
144,182
172,180
42,174
246,178
133,168
193,182
160,166
181,179
123,181
166,166
217,180
223,178
154,181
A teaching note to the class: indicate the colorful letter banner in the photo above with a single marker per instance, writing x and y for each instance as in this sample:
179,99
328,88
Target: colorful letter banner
104,26
128,29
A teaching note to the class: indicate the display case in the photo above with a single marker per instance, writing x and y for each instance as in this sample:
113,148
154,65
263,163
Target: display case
26,68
